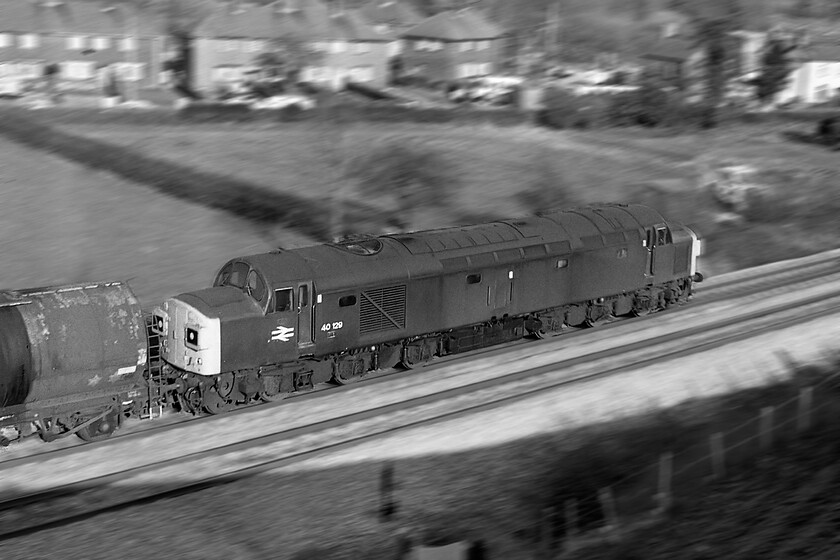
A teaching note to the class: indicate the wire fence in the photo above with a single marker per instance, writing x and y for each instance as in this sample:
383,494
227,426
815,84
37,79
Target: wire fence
702,451
645,495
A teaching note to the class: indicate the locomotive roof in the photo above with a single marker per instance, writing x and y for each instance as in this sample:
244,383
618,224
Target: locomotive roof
399,257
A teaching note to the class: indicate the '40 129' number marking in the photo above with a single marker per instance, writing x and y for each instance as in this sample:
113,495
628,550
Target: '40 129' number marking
332,326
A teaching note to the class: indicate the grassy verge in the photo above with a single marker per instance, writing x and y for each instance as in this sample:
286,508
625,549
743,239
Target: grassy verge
501,494
282,173
227,193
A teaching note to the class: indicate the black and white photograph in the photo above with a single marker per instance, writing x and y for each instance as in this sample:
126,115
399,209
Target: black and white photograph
419,279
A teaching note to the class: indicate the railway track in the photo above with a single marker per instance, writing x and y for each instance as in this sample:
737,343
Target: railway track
755,283
33,497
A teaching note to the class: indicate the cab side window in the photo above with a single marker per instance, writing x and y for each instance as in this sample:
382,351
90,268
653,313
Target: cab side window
283,299
662,236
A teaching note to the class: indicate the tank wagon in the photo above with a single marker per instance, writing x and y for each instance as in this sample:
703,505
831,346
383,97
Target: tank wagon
278,323
72,360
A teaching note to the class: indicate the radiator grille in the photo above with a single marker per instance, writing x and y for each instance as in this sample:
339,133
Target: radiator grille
382,309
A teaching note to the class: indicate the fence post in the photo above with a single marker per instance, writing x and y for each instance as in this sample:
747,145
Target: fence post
718,459
803,418
666,470
571,519
547,531
608,507
766,428
387,503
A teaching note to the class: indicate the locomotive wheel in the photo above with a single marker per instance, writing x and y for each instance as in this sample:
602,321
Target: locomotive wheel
642,308
271,389
102,428
272,397
596,316
214,403
345,380
350,371
539,334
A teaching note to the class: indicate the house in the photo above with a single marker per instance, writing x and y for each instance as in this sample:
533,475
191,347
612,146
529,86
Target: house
73,40
394,16
329,46
672,59
452,45
816,77
227,43
670,22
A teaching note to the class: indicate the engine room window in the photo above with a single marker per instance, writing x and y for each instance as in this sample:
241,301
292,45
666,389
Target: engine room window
562,263
346,301
283,299
474,279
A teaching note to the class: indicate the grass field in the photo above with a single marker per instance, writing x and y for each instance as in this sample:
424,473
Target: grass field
61,221
502,172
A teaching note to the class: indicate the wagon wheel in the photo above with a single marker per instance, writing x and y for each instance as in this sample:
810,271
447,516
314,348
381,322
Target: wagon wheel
190,401
102,428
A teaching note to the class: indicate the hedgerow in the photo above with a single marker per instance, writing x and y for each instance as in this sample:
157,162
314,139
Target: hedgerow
225,193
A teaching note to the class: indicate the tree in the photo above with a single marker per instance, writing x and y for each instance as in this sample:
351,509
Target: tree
775,70
833,9
720,52
287,56
803,8
640,9
413,174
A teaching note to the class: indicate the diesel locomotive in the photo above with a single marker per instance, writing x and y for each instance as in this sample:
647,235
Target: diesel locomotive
278,323
78,359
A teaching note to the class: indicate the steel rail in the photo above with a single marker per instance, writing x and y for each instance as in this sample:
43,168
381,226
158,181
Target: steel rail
766,278
115,498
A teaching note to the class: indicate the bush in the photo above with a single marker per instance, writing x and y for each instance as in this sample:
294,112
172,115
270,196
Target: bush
412,173
546,188
561,109
233,195
215,112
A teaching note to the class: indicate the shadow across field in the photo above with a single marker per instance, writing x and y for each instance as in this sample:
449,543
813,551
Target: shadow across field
241,198
807,138
514,497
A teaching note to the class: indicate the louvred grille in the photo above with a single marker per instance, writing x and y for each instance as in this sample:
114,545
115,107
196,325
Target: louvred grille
382,309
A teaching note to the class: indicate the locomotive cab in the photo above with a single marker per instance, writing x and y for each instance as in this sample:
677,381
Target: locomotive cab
241,320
